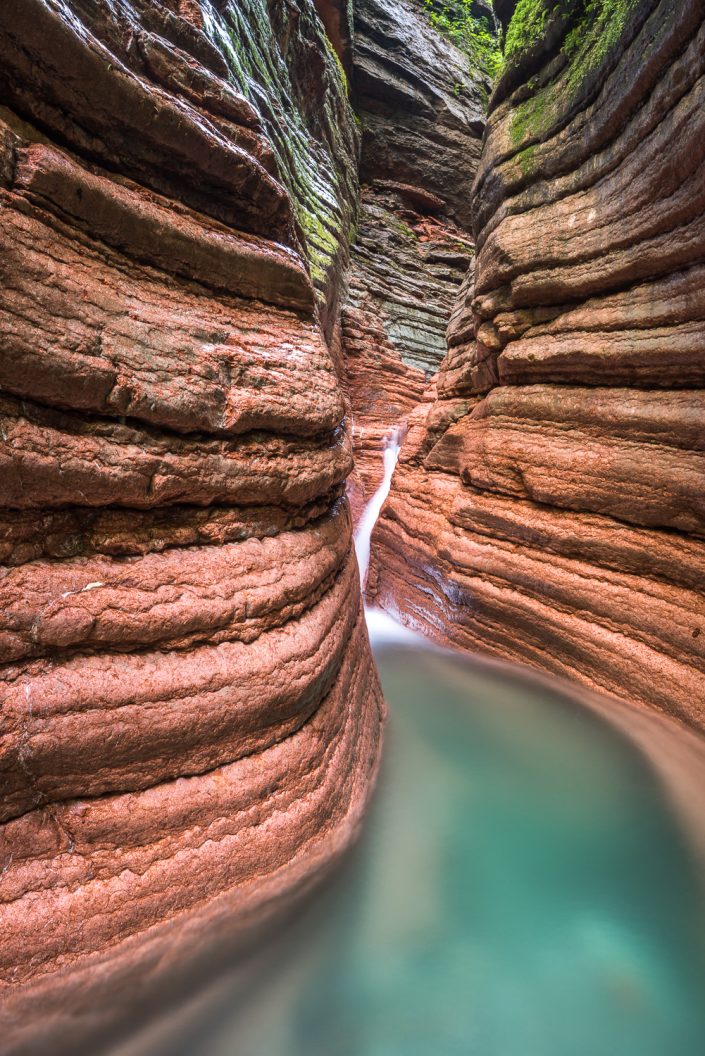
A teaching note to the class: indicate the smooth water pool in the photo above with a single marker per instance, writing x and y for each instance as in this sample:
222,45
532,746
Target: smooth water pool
524,887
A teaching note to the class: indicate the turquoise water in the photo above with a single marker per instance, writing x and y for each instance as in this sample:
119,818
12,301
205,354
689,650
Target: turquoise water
523,888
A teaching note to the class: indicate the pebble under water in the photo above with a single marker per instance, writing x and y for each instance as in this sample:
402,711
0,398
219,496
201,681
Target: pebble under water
524,887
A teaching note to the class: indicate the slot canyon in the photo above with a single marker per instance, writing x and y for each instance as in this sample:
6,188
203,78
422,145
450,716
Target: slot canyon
251,252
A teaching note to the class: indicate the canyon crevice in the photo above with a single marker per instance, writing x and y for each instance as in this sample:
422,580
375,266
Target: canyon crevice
547,506
422,108
240,243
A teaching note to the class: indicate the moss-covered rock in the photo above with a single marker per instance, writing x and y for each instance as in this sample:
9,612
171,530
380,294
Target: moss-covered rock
281,59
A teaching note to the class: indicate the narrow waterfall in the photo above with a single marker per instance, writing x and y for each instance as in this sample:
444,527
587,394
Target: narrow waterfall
382,628
391,446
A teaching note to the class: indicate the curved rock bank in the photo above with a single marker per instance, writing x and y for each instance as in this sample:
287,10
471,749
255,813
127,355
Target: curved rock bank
190,714
549,501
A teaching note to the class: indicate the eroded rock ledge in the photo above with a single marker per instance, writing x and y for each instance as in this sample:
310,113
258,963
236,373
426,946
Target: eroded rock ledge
406,267
549,501
190,714
422,108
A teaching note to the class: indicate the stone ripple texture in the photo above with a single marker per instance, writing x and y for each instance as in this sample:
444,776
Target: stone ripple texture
548,505
406,268
422,113
190,717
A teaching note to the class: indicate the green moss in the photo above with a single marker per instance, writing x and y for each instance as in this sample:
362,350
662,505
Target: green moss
472,35
535,115
597,30
527,26
316,231
525,160
402,228
336,59
315,157
321,242
594,29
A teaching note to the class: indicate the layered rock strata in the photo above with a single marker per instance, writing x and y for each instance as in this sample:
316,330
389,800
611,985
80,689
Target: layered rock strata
550,500
190,716
421,105
406,267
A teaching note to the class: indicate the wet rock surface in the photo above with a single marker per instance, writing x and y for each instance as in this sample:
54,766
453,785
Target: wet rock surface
406,267
190,715
557,518
421,104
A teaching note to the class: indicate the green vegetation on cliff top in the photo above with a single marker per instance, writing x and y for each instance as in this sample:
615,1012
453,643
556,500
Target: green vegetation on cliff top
472,35
596,31
594,28
527,26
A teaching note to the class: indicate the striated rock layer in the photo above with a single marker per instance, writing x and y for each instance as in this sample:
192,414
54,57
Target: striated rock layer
405,270
421,105
190,715
550,501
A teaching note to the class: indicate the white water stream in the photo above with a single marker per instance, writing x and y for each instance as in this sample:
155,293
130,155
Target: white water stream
383,629
390,453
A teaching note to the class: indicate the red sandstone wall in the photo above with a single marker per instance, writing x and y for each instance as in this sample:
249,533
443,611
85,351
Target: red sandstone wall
190,717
